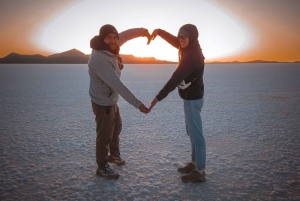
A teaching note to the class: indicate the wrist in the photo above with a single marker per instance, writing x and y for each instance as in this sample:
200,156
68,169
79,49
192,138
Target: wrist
158,97
158,31
144,33
139,105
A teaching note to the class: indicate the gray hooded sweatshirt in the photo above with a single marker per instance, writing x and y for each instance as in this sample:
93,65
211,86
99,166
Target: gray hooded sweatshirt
105,74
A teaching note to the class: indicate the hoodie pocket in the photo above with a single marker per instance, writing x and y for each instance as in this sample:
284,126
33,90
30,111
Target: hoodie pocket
106,91
112,94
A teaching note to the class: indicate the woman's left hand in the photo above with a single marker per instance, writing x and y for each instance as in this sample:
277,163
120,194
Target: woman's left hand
154,34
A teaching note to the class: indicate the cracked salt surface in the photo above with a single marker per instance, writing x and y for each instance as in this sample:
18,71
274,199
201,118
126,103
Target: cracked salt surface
251,119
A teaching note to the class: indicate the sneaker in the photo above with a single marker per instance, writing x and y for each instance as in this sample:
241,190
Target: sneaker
117,160
186,169
107,172
194,176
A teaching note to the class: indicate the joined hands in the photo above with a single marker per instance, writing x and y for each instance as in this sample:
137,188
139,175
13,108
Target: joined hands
146,110
142,107
153,36
150,37
146,34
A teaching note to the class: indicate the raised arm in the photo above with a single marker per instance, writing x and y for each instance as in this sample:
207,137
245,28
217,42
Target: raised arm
172,40
131,34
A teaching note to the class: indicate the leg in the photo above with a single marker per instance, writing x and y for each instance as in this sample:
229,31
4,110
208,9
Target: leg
188,130
115,143
104,129
192,109
193,148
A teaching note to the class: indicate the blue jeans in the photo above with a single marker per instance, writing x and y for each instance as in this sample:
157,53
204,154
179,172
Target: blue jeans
193,123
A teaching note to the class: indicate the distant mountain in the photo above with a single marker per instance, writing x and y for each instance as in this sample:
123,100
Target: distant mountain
254,61
73,57
71,53
18,58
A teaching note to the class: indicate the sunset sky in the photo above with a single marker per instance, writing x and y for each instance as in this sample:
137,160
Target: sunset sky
228,29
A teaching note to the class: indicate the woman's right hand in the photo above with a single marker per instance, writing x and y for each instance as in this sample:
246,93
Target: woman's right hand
155,100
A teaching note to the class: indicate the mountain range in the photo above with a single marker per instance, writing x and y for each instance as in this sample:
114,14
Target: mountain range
74,56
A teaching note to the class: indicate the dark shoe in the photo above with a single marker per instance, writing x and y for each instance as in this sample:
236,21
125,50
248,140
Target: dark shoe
117,160
194,176
186,169
107,172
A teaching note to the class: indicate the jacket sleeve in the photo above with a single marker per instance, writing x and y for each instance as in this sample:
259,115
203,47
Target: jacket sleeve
130,34
110,77
183,70
172,40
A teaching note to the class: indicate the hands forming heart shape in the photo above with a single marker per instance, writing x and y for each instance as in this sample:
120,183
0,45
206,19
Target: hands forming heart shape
189,73
150,37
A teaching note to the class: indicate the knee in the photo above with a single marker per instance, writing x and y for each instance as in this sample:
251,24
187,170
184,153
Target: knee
104,139
198,140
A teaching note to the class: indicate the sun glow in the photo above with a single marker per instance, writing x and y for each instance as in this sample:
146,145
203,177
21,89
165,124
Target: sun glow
220,33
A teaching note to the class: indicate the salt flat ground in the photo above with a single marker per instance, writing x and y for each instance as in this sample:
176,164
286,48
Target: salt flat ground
251,120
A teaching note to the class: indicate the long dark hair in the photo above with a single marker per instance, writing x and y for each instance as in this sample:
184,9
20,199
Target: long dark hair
194,45
180,54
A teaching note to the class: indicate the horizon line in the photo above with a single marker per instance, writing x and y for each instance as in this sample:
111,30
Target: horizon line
215,62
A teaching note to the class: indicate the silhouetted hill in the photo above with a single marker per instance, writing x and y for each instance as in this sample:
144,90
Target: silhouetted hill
70,53
130,59
254,61
18,58
69,57
73,57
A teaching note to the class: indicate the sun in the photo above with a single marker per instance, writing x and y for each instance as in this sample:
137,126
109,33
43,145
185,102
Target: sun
220,33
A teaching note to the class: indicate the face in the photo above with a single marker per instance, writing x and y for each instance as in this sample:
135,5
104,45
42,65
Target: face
183,40
112,41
